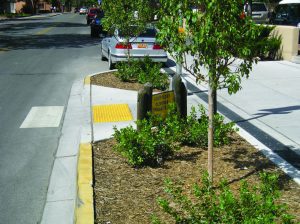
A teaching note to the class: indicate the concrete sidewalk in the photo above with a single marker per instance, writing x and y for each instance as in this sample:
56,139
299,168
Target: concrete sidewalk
43,15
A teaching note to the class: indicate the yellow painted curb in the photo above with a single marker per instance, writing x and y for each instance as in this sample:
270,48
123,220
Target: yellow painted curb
87,80
85,202
85,170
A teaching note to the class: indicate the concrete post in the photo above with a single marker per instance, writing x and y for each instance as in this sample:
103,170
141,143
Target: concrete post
144,102
180,93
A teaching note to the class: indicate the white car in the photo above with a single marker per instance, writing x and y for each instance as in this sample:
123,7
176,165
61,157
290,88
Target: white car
83,11
114,50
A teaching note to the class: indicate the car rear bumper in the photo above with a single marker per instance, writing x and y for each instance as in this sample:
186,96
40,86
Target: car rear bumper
154,58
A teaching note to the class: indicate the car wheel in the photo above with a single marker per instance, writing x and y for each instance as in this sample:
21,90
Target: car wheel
101,54
97,33
110,64
93,33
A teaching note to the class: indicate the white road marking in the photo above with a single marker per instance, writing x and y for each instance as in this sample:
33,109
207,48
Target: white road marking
43,117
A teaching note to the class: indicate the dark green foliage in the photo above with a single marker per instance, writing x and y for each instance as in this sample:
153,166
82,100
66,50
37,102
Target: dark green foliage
195,132
143,71
220,205
120,14
269,46
158,138
217,38
148,146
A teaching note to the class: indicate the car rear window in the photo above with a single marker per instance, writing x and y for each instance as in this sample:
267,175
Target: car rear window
258,7
294,11
149,32
93,11
291,11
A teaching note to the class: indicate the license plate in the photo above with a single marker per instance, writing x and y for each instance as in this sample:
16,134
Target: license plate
142,45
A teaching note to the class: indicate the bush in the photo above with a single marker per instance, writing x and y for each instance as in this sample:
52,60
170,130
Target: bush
143,71
148,146
158,138
269,50
193,131
209,205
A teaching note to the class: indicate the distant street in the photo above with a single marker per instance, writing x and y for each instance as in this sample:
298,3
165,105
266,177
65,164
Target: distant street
39,60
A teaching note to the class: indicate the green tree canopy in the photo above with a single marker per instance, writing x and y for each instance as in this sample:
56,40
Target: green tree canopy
218,36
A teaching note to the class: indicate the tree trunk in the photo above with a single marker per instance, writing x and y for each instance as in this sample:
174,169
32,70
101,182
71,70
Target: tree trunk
30,4
210,130
214,96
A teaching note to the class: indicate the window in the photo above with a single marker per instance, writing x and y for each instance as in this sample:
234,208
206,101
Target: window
257,7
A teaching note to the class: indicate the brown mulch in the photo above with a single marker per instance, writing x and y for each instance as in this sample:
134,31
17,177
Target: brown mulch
124,194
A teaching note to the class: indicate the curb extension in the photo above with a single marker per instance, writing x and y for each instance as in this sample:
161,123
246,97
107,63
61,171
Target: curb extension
84,210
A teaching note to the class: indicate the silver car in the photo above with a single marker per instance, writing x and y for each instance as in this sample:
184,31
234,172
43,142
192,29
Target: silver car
260,12
113,48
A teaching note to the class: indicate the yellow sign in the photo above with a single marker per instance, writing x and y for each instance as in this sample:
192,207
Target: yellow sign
160,103
181,30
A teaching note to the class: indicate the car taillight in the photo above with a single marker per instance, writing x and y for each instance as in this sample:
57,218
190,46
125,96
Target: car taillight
157,47
123,46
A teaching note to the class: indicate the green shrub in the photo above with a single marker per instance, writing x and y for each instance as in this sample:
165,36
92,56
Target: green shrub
128,71
269,50
143,71
158,138
220,205
195,131
148,146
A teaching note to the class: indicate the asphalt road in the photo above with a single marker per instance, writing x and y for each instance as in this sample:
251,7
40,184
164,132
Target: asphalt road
39,60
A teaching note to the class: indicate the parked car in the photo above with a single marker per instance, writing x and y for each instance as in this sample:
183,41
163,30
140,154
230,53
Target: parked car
96,24
91,14
260,12
82,10
287,13
115,50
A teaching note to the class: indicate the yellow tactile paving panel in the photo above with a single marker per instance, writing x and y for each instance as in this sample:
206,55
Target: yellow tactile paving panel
111,113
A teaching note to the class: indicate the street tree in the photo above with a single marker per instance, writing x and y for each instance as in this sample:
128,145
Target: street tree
223,42
130,17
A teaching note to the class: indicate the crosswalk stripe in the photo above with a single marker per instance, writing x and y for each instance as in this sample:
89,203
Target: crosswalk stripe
43,117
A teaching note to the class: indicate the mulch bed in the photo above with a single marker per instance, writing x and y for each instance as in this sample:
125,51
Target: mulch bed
124,194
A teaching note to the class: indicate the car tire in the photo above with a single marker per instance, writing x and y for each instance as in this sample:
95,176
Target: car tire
93,33
97,33
111,66
101,54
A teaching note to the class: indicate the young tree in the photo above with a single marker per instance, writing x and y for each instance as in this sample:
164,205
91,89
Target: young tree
218,36
130,17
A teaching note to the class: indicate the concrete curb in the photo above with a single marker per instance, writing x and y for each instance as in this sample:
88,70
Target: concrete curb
66,202
31,16
84,210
